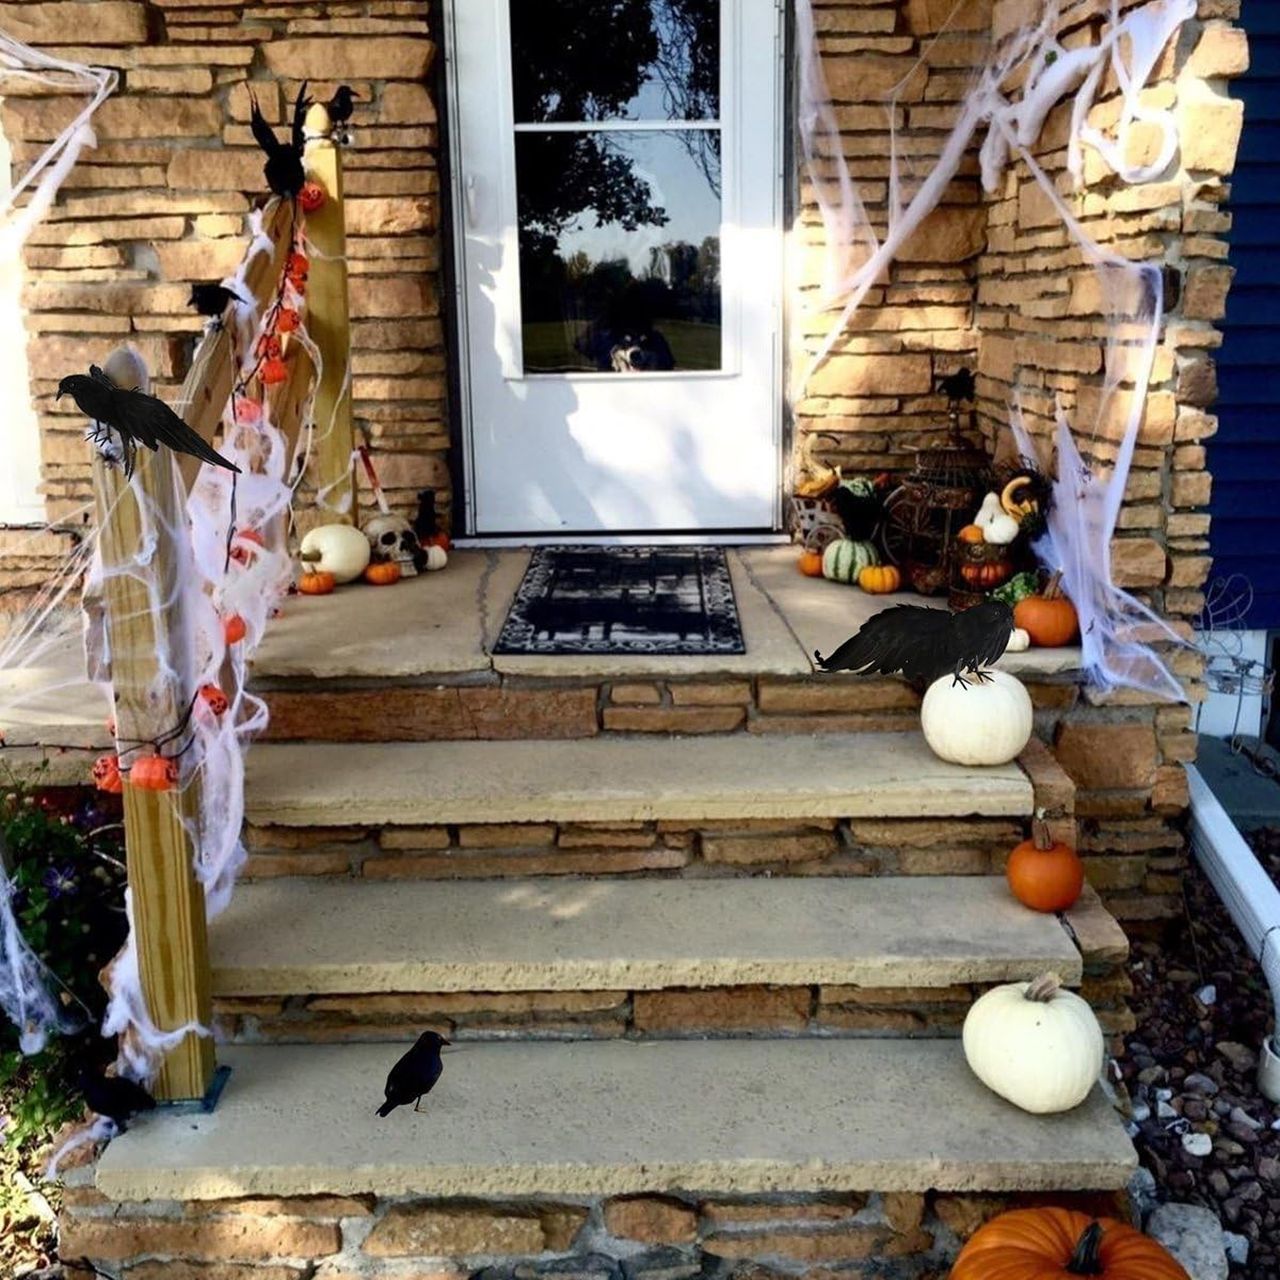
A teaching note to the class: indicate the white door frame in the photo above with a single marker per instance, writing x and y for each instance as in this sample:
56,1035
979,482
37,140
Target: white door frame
465,511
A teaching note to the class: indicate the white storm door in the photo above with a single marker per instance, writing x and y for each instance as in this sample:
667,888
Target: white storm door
617,192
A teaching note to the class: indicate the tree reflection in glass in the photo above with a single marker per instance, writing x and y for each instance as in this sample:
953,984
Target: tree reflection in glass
619,228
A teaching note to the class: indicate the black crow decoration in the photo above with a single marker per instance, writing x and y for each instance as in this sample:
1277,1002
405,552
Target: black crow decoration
926,644
115,1097
415,1075
283,170
342,104
958,386
136,417
211,299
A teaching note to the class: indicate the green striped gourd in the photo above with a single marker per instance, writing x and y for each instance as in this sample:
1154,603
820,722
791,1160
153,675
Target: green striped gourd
844,559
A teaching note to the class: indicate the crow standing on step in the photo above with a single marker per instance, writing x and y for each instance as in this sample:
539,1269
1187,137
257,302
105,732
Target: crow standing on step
136,418
926,644
283,171
415,1075
117,1098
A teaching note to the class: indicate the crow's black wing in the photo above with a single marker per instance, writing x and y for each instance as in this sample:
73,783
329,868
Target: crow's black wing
152,422
978,636
263,134
301,105
910,638
99,375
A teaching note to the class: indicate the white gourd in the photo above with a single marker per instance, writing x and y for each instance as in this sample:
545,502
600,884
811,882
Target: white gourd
1034,1044
988,511
1001,530
339,549
437,558
986,723
1019,640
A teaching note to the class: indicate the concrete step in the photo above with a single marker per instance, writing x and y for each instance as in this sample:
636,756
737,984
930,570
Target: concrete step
621,779
607,1118
330,936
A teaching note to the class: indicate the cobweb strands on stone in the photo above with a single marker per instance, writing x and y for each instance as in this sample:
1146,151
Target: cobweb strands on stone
1026,75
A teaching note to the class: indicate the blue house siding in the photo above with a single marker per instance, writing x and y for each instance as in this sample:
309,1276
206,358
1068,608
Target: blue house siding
1244,456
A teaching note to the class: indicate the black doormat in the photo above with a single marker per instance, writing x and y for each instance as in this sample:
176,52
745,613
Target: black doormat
653,600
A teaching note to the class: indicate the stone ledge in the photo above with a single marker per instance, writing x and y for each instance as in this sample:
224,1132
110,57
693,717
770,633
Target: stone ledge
621,779
556,935
605,1119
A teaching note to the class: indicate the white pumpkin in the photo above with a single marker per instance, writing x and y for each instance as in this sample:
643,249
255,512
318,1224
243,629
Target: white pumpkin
1034,1044
1001,530
437,557
981,722
339,549
1019,640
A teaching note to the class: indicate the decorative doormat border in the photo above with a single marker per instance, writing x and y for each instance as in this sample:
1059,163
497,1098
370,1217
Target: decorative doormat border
663,601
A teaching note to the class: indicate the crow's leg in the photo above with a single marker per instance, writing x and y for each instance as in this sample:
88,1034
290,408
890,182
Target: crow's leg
958,679
981,676
417,1105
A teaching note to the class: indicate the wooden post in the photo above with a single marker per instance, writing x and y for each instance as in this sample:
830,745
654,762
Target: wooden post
329,324
144,627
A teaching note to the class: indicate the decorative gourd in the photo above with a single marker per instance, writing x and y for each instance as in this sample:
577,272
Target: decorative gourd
213,698
818,482
316,582
1019,641
810,563
987,512
972,533
879,579
844,559
106,774
1038,1244
153,773
1049,618
1015,501
1002,530
1019,587
436,557
1044,874
382,574
1034,1044
982,722
339,549
233,628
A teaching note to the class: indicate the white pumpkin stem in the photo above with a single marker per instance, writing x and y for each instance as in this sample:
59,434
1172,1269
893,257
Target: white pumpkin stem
310,557
1044,988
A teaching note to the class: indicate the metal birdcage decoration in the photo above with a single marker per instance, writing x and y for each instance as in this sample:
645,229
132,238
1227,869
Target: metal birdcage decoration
926,512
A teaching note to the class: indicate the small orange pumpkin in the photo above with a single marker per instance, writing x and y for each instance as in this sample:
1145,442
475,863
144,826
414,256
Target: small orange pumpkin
1050,618
810,563
316,582
106,774
971,533
1042,1243
233,628
153,773
1044,874
879,579
383,573
985,574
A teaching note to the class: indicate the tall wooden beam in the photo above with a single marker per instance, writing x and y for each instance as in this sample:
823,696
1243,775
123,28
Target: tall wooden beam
149,643
329,325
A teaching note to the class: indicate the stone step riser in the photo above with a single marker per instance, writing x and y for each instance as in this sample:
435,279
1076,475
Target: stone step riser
820,846
826,1011
507,709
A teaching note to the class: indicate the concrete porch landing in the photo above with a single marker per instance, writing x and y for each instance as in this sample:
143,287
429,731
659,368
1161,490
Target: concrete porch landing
445,624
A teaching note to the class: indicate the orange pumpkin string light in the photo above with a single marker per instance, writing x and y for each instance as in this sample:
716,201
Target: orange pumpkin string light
153,773
106,774
311,197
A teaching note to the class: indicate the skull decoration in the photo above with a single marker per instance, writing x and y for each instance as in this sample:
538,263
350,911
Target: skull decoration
392,538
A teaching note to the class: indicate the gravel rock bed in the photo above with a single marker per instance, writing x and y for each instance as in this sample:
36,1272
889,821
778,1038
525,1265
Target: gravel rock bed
1200,1125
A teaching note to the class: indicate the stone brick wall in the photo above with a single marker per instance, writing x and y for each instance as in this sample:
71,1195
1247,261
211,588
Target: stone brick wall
894,1236
1042,333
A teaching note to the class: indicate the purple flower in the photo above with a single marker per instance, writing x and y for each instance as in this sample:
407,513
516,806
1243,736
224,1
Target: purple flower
61,881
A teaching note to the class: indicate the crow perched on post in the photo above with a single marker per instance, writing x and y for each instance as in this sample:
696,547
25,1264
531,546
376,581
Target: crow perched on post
342,104
283,170
136,418
926,644
115,1097
415,1075
211,299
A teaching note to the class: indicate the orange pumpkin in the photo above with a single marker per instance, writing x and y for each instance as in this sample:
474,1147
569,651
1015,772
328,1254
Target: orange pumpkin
971,533
984,574
106,774
316,582
1038,1244
810,563
1049,618
153,773
1044,874
879,579
233,628
383,573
